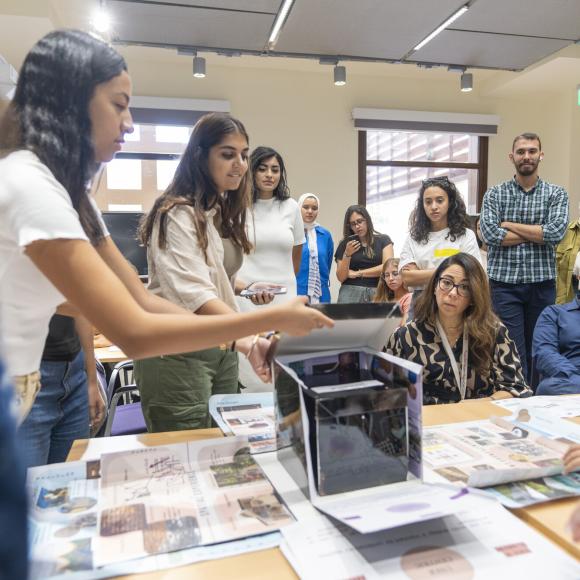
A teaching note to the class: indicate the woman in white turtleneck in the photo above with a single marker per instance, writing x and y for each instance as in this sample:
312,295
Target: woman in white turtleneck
317,253
275,228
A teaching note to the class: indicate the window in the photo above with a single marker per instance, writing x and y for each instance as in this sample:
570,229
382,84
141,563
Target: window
392,165
145,167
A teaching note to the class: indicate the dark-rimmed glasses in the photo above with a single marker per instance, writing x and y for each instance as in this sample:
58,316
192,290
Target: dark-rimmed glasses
446,285
357,222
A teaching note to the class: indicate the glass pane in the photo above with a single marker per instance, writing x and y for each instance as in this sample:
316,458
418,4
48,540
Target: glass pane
392,194
171,134
124,174
165,172
423,147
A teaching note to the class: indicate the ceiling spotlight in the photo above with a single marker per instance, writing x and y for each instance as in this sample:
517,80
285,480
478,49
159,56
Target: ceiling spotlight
466,82
101,20
198,67
339,76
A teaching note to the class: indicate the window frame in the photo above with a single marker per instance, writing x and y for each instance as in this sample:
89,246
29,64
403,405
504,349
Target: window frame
481,166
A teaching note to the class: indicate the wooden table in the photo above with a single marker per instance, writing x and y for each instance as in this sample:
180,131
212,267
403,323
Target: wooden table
110,354
549,519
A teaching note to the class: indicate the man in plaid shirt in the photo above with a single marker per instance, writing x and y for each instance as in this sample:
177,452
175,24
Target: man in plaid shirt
522,220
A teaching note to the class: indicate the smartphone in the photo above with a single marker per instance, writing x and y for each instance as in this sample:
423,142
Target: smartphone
353,238
270,290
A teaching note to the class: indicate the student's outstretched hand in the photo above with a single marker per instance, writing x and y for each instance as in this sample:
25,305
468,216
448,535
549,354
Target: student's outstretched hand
572,460
296,319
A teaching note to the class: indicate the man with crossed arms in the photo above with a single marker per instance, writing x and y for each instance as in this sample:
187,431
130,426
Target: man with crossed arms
522,221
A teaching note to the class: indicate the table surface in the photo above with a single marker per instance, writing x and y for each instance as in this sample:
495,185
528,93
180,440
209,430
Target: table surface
550,519
110,354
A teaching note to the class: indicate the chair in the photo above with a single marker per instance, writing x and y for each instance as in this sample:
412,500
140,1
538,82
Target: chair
125,415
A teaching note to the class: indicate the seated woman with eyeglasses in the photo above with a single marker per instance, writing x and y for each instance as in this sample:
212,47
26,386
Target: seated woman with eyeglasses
465,350
391,287
360,256
438,228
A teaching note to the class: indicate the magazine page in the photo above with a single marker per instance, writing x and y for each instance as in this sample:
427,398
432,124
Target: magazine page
168,498
219,404
532,491
63,513
560,406
490,452
476,544
62,532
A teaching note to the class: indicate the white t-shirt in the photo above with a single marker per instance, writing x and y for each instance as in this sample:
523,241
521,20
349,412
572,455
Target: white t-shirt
438,247
33,206
275,229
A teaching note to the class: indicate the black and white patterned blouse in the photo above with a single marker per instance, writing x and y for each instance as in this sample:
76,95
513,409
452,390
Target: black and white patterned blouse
422,344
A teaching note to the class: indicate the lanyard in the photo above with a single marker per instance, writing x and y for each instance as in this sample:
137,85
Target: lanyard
460,379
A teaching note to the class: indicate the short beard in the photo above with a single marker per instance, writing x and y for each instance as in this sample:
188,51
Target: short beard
526,172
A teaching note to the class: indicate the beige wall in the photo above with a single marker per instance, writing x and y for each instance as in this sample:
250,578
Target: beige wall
309,119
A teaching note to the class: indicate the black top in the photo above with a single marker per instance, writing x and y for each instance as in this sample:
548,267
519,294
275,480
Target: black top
62,342
360,261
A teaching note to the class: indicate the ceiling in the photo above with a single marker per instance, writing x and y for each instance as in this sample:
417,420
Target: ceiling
497,34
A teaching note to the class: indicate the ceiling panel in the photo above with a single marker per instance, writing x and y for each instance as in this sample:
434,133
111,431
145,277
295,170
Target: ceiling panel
138,22
271,6
369,28
549,19
487,50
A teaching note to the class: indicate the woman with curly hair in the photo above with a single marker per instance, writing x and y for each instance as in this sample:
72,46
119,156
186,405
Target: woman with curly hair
391,287
360,256
465,350
438,228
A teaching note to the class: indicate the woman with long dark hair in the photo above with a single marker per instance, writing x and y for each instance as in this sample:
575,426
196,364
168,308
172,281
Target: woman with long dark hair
360,256
196,238
438,228
69,114
275,227
465,350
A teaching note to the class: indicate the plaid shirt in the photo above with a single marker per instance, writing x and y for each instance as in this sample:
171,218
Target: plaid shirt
546,205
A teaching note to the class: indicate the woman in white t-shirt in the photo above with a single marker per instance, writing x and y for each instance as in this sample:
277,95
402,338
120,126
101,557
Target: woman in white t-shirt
438,228
275,228
70,113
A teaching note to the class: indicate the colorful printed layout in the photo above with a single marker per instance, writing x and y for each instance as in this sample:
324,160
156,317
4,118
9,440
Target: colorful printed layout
64,517
257,424
163,499
455,453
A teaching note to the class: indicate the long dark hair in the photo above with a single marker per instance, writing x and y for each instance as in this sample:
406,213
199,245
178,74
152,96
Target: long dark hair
49,114
369,239
261,154
193,185
482,324
420,224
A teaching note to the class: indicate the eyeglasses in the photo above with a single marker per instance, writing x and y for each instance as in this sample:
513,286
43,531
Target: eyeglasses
357,222
391,275
446,285
436,180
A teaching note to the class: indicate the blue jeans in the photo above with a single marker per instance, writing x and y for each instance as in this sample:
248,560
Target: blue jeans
13,528
518,307
59,415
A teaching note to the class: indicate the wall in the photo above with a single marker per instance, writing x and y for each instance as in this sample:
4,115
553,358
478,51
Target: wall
309,119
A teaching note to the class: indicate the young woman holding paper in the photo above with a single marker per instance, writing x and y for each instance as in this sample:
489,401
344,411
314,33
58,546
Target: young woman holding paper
70,113
465,350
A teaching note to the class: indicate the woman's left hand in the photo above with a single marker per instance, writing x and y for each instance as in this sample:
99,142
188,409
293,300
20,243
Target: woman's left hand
256,352
354,274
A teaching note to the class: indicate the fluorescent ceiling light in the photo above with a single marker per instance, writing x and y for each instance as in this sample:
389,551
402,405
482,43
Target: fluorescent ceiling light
443,26
101,21
278,23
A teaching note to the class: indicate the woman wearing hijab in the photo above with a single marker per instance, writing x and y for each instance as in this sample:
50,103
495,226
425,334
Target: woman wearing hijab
317,252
